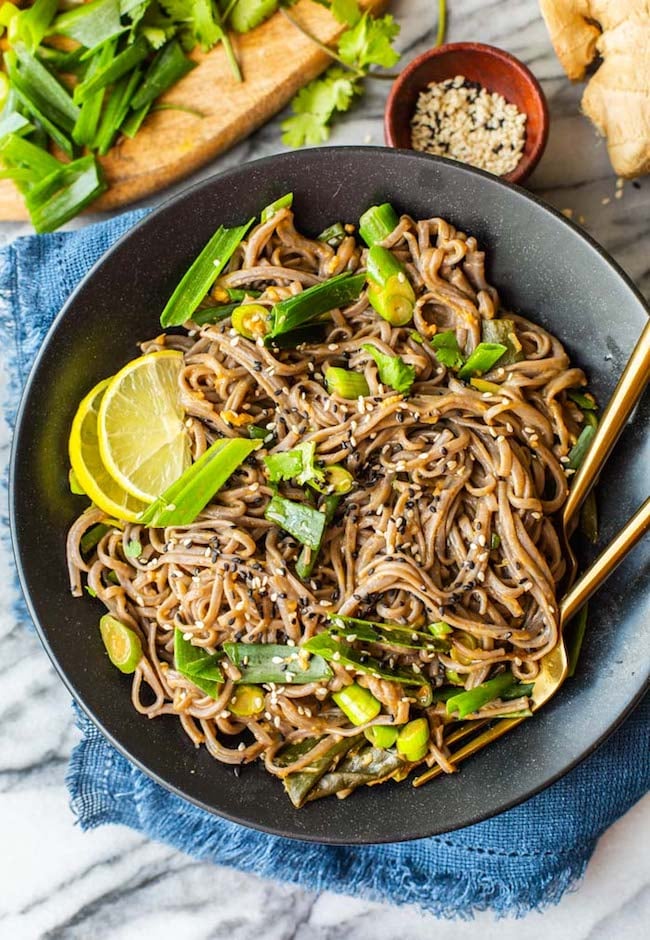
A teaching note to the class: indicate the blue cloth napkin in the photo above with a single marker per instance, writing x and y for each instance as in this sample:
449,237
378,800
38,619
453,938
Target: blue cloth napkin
522,860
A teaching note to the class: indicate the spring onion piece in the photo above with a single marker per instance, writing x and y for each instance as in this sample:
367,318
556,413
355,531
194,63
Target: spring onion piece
226,295
33,100
301,521
92,537
389,290
495,541
336,651
377,223
439,628
167,68
191,661
116,111
49,94
584,400
202,274
302,308
308,556
579,450
357,703
90,24
210,314
383,736
133,549
286,465
122,644
391,634
466,703
181,502
273,662
112,69
413,740
336,481
31,25
482,385
64,193
484,357
333,235
284,202
14,123
415,336
83,133
300,784
447,349
589,518
16,151
252,321
247,701
576,637
133,122
259,434
454,677
393,371
503,331
345,383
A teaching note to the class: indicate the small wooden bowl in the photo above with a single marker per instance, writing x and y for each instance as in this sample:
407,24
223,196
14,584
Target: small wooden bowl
493,68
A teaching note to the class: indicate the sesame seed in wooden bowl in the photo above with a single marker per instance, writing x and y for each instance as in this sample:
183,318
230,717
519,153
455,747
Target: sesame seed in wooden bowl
473,103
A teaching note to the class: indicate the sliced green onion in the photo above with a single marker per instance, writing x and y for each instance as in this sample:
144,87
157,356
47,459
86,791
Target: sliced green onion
258,434
91,23
133,549
345,383
228,294
339,652
181,502
377,223
301,521
191,660
31,25
390,292
333,235
111,69
302,308
14,123
202,274
18,151
336,479
252,321
495,541
577,630
272,662
167,68
284,202
133,122
584,400
484,358
439,628
284,466
503,331
308,556
415,336
213,314
122,644
447,349
116,111
383,736
247,701
92,537
454,677
413,739
357,703
579,450
64,193
83,133
466,703
393,371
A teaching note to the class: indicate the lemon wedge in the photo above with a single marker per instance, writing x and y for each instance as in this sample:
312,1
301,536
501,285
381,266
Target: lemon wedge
90,472
141,425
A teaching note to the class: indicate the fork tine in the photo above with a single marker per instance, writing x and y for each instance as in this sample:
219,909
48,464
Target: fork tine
476,744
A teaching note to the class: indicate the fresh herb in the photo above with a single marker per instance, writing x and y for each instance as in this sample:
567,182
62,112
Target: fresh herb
579,450
284,202
447,349
413,740
308,556
392,370
301,521
466,703
484,357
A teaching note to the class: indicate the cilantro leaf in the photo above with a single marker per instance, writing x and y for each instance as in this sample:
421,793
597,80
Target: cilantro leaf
199,18
369,42
315,105
392,370
346,11
247,14
447,349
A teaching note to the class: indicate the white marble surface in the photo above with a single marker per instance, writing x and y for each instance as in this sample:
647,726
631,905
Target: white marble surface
57,882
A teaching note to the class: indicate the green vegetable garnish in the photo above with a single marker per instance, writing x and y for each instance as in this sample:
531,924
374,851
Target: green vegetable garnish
383,736
247,14
301,521
181,502
64,193
284,202
133,549
251,320
308,556
122,644
333,235
389,291
339,652
392,370
466,703
447,349
75,486
303,308
201,275
584,400
92,537
273,662
503,331
345,383
484,357
439,628
199,666
579,450
247,701
377,223
495,541
413,740
576,635
357,703
110,71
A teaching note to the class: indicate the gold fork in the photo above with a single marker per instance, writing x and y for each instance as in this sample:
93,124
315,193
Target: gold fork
554,666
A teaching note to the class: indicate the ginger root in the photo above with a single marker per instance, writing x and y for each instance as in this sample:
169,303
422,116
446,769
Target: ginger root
617,96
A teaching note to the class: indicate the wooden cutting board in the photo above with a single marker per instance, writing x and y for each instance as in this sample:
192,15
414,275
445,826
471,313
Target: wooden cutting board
276,61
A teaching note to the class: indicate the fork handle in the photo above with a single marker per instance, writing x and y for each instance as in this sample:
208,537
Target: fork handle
619,408
607,561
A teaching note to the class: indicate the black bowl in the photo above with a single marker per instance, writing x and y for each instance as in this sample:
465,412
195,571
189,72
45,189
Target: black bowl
545,268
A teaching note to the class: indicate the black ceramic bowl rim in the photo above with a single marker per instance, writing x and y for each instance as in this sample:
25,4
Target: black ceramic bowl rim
410,831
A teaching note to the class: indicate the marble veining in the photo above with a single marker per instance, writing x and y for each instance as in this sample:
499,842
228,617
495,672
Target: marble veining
61,884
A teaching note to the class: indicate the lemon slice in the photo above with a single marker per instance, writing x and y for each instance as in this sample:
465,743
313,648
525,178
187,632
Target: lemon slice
142,438
87,465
